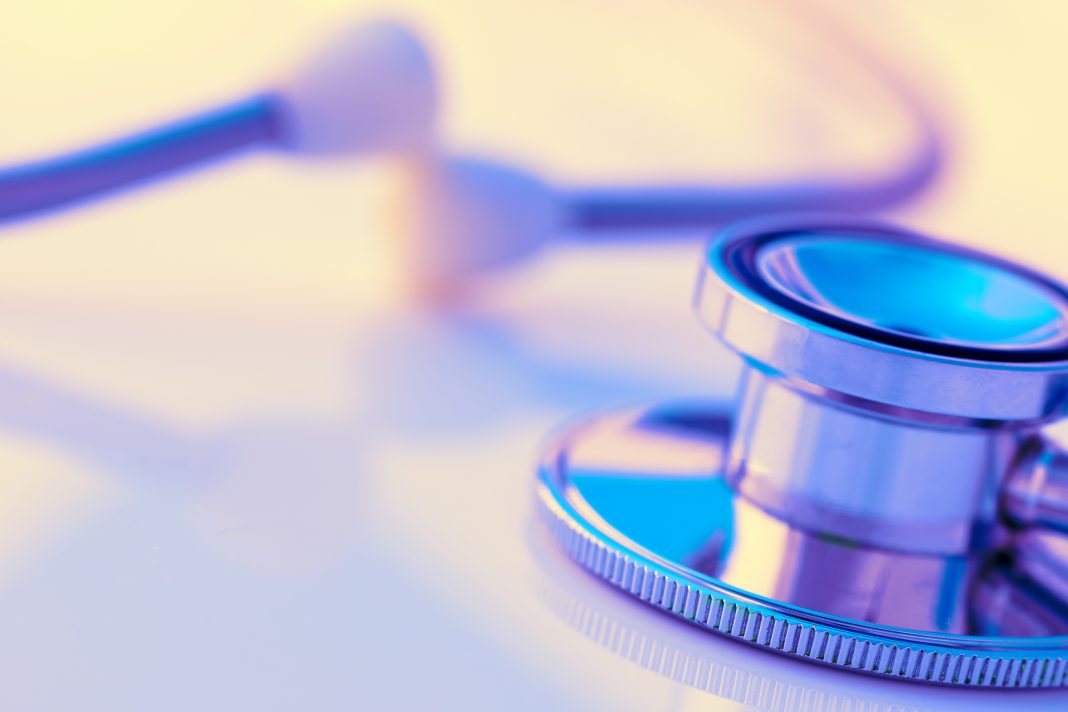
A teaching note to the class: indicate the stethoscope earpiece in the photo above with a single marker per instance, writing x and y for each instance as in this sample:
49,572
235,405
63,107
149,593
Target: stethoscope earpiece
462,217
372,89
881,497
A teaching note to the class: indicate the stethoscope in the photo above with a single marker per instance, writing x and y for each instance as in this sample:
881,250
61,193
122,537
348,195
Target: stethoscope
374,91
880,498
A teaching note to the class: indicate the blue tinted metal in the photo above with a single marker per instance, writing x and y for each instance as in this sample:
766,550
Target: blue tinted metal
51,184
676,536
914,290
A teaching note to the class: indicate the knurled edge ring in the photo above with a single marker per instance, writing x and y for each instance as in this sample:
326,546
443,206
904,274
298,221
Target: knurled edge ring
744,621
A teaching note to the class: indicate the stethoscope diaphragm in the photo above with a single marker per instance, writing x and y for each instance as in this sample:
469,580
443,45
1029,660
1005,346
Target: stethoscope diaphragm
852,507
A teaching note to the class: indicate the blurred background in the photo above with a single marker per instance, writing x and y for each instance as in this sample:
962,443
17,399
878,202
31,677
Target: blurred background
242,467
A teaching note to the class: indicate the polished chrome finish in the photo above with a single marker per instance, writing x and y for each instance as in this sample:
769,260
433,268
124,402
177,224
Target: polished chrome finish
670,650
917,291
842,576
889,378
1036,492
1041,559
881,497
1004,600
677,536
858,473
769,314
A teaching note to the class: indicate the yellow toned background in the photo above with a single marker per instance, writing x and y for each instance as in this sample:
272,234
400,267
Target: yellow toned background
582,90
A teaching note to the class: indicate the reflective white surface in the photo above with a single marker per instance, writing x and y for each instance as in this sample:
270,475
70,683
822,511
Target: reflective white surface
322,557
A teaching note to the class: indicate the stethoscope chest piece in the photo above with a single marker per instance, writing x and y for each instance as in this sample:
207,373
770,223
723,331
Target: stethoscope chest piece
880,497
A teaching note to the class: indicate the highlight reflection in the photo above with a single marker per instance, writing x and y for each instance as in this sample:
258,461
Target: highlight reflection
656,488
655,643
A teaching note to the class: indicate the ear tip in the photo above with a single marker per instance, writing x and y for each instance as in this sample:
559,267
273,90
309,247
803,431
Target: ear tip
470,216
372,88
400,32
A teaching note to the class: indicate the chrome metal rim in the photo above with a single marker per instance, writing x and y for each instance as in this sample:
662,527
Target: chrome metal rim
783,628
769,327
